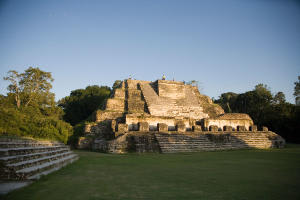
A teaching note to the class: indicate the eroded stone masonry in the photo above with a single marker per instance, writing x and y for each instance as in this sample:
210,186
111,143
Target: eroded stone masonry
170,116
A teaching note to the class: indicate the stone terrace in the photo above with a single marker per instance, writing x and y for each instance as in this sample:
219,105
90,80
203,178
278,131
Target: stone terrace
29,159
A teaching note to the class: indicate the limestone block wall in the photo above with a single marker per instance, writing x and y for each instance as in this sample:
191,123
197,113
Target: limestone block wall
133,119
101,115
134,106
206,103
234,123
171,89
135,103
115,104
134,84
134,94
173,99
141,142
119,93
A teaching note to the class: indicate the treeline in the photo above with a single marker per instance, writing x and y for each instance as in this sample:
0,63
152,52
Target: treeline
29,108
266,109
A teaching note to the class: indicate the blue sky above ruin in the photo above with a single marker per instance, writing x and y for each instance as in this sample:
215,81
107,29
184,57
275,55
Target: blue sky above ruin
225,45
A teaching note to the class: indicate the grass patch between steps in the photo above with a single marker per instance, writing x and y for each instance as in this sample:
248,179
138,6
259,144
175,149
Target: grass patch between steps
238,174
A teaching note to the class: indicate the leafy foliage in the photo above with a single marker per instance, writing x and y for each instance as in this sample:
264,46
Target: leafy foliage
297,88
31,87
29,108
83,102
265,110
117,84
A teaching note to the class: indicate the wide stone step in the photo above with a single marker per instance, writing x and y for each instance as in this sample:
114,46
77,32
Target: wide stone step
28,144
184,140
38,161
20,158
27,150
186,149
187,145
33,170
54,168
171,143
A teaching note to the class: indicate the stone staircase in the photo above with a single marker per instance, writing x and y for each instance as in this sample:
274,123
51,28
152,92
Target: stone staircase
175,143
259,140
29,159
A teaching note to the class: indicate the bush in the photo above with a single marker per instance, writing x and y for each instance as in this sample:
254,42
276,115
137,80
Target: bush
27,123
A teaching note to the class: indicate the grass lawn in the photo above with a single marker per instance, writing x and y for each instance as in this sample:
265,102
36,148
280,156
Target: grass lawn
240,174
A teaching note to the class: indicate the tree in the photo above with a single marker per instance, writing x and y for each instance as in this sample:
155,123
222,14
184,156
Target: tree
37,114
279,98
117,84
193,83
226,100
83,102
31,87
264,92
297,90
15,88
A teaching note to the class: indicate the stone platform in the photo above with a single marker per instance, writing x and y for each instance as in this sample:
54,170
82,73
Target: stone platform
174,142
24,160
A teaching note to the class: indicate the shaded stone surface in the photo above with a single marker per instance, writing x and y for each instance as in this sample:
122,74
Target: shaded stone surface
227,128
213,128
143,126
162,127
241,128
123,128
196,128
253,128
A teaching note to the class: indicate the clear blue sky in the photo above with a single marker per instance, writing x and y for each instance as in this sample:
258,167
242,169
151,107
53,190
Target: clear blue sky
225,45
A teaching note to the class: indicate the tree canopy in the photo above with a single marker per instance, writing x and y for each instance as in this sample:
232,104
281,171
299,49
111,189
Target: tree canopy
83,102
29,107
31,87
297,89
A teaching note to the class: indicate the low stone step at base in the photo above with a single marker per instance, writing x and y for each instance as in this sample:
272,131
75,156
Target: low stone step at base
28,144
30,171
26,150
37,161
46,172
19,158
172,143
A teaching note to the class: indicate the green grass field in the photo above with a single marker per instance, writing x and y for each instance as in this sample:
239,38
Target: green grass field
240,174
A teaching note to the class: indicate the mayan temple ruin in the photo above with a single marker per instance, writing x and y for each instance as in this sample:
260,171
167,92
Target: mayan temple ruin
170,116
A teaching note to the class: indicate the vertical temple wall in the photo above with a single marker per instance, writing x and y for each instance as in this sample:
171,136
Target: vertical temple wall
171,89
133,120
234,123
